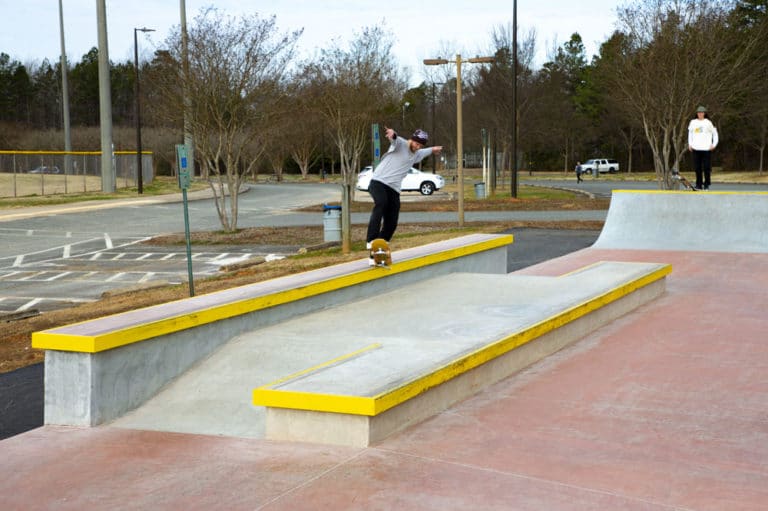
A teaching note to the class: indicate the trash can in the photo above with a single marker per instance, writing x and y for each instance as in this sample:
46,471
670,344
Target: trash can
331,223
480,190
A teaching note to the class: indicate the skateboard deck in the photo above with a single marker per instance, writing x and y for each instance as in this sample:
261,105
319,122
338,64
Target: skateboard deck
687,184
380,253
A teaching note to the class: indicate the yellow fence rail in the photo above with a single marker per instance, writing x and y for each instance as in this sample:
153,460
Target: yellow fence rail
25,173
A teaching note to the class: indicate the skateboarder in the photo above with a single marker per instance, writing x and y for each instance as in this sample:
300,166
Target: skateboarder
387,179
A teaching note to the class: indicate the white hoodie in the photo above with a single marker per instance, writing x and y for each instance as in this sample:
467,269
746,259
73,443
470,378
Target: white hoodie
702,135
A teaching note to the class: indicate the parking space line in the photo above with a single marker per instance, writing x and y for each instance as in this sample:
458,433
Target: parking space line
32,275
145,256
19,259
67,252
95,256
29,304
165,258
107,240
119,256
60,275
115,277
147,277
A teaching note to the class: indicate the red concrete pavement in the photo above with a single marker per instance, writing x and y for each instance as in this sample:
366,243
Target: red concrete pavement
666,408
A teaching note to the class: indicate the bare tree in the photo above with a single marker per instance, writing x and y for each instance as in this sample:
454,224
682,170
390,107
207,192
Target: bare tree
493,86
357,85
672,55
306,132
235,83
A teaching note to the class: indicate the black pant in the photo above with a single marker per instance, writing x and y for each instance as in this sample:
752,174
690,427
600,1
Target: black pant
386,211
702,165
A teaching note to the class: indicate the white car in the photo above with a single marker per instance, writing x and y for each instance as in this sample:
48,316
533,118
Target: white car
601,164
414,181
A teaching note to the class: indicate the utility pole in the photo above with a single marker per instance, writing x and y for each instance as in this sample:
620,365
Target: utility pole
514,186
105,101
65,95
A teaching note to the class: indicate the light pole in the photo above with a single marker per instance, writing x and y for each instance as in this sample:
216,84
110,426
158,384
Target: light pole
405,105
65,95
434,101
514,187
459,129
139,171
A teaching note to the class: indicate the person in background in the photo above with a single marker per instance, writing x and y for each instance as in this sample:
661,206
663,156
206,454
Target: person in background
578,172
702,140
387,179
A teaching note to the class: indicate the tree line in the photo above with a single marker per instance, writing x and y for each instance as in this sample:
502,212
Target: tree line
255,107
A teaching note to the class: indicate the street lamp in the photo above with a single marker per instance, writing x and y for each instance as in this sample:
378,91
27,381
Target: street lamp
459,130
139,171
405,105
513,177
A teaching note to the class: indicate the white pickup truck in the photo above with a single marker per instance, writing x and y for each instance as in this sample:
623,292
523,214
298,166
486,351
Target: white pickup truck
602,165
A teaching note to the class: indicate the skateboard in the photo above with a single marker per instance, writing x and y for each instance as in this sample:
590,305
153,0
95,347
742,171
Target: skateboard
380,253
686,184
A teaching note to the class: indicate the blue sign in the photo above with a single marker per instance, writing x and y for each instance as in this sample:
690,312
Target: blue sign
181,158
376,143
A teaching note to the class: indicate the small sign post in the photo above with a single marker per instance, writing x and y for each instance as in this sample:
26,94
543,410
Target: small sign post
376,144
184,182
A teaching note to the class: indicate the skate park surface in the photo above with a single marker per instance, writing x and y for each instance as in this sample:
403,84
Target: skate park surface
662,408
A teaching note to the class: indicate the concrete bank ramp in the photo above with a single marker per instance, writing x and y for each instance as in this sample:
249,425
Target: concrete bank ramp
686,221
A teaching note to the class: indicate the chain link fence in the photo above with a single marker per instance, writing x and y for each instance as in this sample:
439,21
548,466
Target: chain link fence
26,173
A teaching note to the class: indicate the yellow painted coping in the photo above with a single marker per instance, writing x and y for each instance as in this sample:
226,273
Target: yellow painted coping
687,192
59,339
372,406
70,153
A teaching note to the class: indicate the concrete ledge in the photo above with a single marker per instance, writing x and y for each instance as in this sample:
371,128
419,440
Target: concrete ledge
97,370
345,401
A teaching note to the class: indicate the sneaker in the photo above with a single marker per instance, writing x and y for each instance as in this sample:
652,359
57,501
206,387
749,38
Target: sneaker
368,245
371,261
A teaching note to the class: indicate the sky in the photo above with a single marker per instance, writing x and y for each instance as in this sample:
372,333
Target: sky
421,29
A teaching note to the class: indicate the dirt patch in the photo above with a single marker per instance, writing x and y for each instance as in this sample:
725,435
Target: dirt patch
575,202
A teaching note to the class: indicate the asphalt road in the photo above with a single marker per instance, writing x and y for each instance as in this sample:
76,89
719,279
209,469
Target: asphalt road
602,187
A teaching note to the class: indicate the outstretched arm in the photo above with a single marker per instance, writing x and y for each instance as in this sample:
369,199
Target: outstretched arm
437,149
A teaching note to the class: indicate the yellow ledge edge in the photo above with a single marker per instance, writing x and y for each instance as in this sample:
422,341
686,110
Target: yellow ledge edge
684,192
372,406
51,340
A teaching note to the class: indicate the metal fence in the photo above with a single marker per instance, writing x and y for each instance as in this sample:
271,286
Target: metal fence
25,173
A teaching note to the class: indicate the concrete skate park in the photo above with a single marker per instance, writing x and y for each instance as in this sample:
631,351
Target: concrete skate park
628,375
